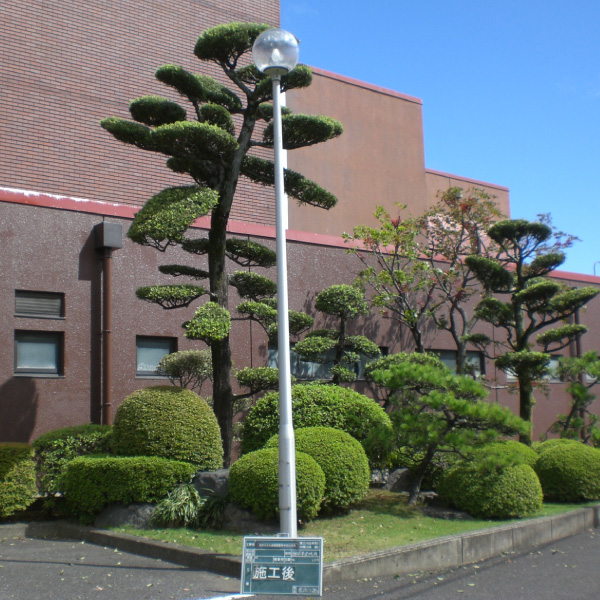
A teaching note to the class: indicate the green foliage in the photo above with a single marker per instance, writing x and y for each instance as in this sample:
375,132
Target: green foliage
170,422
439,412
343,461
181,508
164,219
54,450
224,44
154,110
512,451
296,185
129,132
217,115
524,362
93,482
258,378
253,285
342,301
17,478
491,491
183,271
171,296
250,254
312,406
210,323
253,484
299,131
541,447
569,472
187,368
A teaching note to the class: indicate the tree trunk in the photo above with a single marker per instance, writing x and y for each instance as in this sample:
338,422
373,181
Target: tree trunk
526,403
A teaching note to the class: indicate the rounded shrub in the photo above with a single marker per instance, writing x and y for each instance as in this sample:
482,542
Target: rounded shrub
253,484
54,450
492,492
541,447
570,473
17,478
170,422
315,405
93,482
511,452
343,461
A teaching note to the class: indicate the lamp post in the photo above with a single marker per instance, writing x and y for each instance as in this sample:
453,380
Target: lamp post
275,53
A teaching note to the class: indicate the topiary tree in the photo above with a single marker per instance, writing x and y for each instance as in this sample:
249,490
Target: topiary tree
334,346
187,368
528,252
582,373
343,461
55,449
569,472
17,478
437,412
169,422
211,142
315,405
254,484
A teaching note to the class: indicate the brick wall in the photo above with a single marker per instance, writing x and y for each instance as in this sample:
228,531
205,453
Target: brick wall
68,64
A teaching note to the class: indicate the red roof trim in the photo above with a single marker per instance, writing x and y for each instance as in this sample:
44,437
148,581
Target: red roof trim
126,211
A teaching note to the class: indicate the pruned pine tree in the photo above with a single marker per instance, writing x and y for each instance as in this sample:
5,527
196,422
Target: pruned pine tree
334,346
211,141
437,413
530,307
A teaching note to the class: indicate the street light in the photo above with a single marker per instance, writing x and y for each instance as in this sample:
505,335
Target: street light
275,53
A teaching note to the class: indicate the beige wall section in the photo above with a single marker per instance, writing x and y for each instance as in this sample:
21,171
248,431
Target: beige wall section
436,182
379,159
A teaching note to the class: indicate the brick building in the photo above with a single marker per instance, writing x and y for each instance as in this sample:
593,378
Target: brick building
66,66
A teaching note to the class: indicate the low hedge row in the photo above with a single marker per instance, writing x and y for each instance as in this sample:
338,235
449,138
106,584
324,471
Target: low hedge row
17,478
93,482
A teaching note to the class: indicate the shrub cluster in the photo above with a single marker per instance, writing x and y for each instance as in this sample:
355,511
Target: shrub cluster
93,482
55,449
253,484
342,460
315,405
17,478
485,491
170,422
569,472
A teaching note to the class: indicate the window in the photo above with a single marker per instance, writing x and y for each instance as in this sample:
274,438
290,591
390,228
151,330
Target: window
305,370
149,351
38,353
43,305
475,361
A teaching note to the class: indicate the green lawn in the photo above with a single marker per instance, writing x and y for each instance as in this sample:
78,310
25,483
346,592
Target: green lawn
381,521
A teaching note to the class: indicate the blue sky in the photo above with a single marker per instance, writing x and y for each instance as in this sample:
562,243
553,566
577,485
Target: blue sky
510,90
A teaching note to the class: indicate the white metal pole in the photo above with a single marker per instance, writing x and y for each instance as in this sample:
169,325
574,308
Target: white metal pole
287,452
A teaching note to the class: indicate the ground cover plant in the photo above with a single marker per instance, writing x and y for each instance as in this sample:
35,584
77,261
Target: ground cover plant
379,522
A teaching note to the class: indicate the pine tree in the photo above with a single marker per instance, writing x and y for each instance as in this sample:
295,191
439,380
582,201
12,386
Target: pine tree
212,143
535,304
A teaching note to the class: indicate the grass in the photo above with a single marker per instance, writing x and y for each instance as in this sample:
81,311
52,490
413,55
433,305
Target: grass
381,521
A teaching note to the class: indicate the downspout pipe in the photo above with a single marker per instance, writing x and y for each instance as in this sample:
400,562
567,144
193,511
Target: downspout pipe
107,237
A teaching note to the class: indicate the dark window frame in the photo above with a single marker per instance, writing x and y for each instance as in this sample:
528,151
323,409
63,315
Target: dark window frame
57,337
172,342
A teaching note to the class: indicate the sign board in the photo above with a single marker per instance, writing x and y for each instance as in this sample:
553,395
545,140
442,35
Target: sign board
282,566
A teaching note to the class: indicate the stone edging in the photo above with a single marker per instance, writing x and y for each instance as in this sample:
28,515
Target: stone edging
432,555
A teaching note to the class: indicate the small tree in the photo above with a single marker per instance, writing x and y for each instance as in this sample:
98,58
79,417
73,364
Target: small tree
528,252
415,265
437,412
187,368
334,346
582,373
211,142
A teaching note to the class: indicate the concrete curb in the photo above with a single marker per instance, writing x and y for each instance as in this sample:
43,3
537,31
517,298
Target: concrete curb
432,555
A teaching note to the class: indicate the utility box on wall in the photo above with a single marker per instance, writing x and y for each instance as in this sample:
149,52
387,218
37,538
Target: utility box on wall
108,235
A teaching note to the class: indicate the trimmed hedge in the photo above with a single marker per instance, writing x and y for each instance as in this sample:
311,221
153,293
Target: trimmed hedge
343,461
570,472
55,449
315,405
512,451
541,447
501,492
93,482
170,422
253,484
17,478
